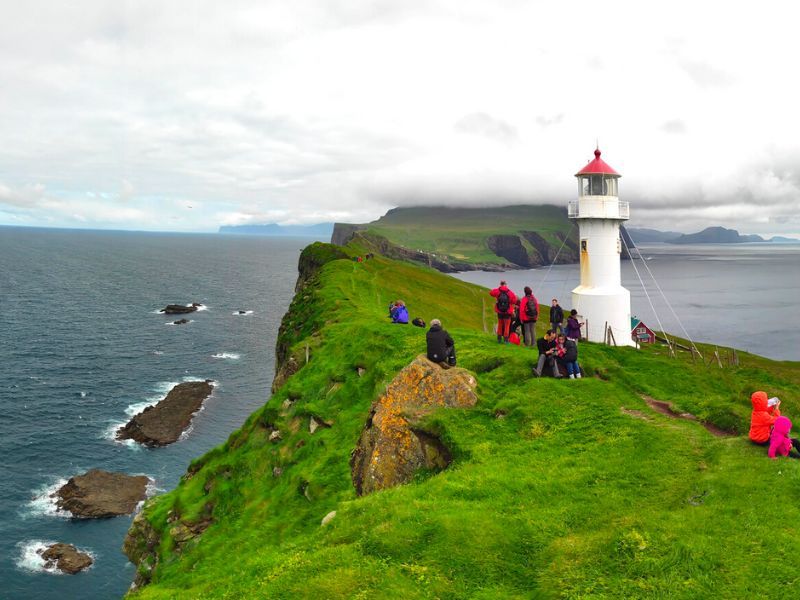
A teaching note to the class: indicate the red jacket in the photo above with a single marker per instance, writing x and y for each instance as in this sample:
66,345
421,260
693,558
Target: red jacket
512,299
762,418
523,314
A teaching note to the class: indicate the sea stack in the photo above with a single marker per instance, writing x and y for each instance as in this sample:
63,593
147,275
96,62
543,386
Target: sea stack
164,423
101,494
180,309
66,558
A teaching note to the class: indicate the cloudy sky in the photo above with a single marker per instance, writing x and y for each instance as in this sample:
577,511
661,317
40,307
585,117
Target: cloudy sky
187,115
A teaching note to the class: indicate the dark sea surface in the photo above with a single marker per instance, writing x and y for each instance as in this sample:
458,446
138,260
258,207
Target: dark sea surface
745,296
83,348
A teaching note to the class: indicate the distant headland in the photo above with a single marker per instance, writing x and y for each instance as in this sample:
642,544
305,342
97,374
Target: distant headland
709,235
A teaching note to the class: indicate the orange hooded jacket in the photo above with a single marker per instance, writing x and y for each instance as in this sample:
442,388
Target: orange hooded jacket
763,417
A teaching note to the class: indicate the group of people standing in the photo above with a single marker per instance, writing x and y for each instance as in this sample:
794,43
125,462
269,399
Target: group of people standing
559,345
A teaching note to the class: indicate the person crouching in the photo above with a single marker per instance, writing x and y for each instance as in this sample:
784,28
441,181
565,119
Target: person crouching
547,355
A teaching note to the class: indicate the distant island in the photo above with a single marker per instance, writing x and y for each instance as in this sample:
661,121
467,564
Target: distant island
322,231
709,235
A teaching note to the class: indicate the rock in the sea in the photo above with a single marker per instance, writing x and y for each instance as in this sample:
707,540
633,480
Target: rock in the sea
180,322
65,558
163,423
99,494
391,449
180,309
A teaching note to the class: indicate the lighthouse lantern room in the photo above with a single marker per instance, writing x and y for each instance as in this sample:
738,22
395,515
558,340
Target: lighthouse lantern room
600,298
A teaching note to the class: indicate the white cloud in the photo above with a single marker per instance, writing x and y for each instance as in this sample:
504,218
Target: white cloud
125,114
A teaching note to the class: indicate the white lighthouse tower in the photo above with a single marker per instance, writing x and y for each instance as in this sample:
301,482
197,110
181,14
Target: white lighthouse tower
600,297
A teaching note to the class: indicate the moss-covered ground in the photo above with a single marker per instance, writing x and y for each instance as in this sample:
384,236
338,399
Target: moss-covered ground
555,491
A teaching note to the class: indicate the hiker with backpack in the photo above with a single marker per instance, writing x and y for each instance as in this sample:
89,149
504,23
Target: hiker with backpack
504,308
556,316
441,348
528,314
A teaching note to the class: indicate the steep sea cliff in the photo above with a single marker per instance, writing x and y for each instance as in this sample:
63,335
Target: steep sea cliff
560,489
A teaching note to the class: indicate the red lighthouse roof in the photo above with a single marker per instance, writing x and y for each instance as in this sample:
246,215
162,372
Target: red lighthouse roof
597,167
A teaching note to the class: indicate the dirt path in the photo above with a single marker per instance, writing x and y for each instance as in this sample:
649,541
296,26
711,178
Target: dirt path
666,408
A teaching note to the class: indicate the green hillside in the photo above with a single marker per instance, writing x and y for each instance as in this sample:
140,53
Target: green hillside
558,489
521,236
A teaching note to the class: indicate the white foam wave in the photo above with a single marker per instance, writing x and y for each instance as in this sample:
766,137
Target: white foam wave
243,313
200,308
229,355
83,394
158,352
30,558
43,502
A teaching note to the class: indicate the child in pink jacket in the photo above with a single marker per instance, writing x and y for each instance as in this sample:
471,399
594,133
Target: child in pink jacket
779,442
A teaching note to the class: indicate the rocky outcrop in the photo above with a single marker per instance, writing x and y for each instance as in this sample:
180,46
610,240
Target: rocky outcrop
181,322
343,232
66,558
164,423
380,245
180,309
100,494
140,546
392,446
510,247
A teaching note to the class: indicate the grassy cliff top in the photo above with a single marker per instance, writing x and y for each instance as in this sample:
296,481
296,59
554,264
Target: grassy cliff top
462,233
558,489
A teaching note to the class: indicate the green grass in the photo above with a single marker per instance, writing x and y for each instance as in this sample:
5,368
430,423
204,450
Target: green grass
564,497
461,233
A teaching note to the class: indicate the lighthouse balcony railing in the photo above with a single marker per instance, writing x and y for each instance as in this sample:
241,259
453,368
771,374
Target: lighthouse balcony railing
598,207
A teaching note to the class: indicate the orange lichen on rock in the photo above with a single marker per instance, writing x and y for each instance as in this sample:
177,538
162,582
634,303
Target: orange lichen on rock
390,448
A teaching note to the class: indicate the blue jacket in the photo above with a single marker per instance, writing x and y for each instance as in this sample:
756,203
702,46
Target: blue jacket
400,315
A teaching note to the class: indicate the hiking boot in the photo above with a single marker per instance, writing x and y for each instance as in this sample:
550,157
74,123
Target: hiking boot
536,373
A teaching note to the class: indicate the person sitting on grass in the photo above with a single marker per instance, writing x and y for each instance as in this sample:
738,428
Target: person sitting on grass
399,313
547,355
573,328
763,417
440,346
567,353
779,441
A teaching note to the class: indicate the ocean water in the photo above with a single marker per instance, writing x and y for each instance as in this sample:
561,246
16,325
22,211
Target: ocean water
83,348
735,295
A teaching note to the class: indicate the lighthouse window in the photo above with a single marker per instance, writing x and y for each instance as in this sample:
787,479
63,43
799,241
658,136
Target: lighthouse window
597,185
